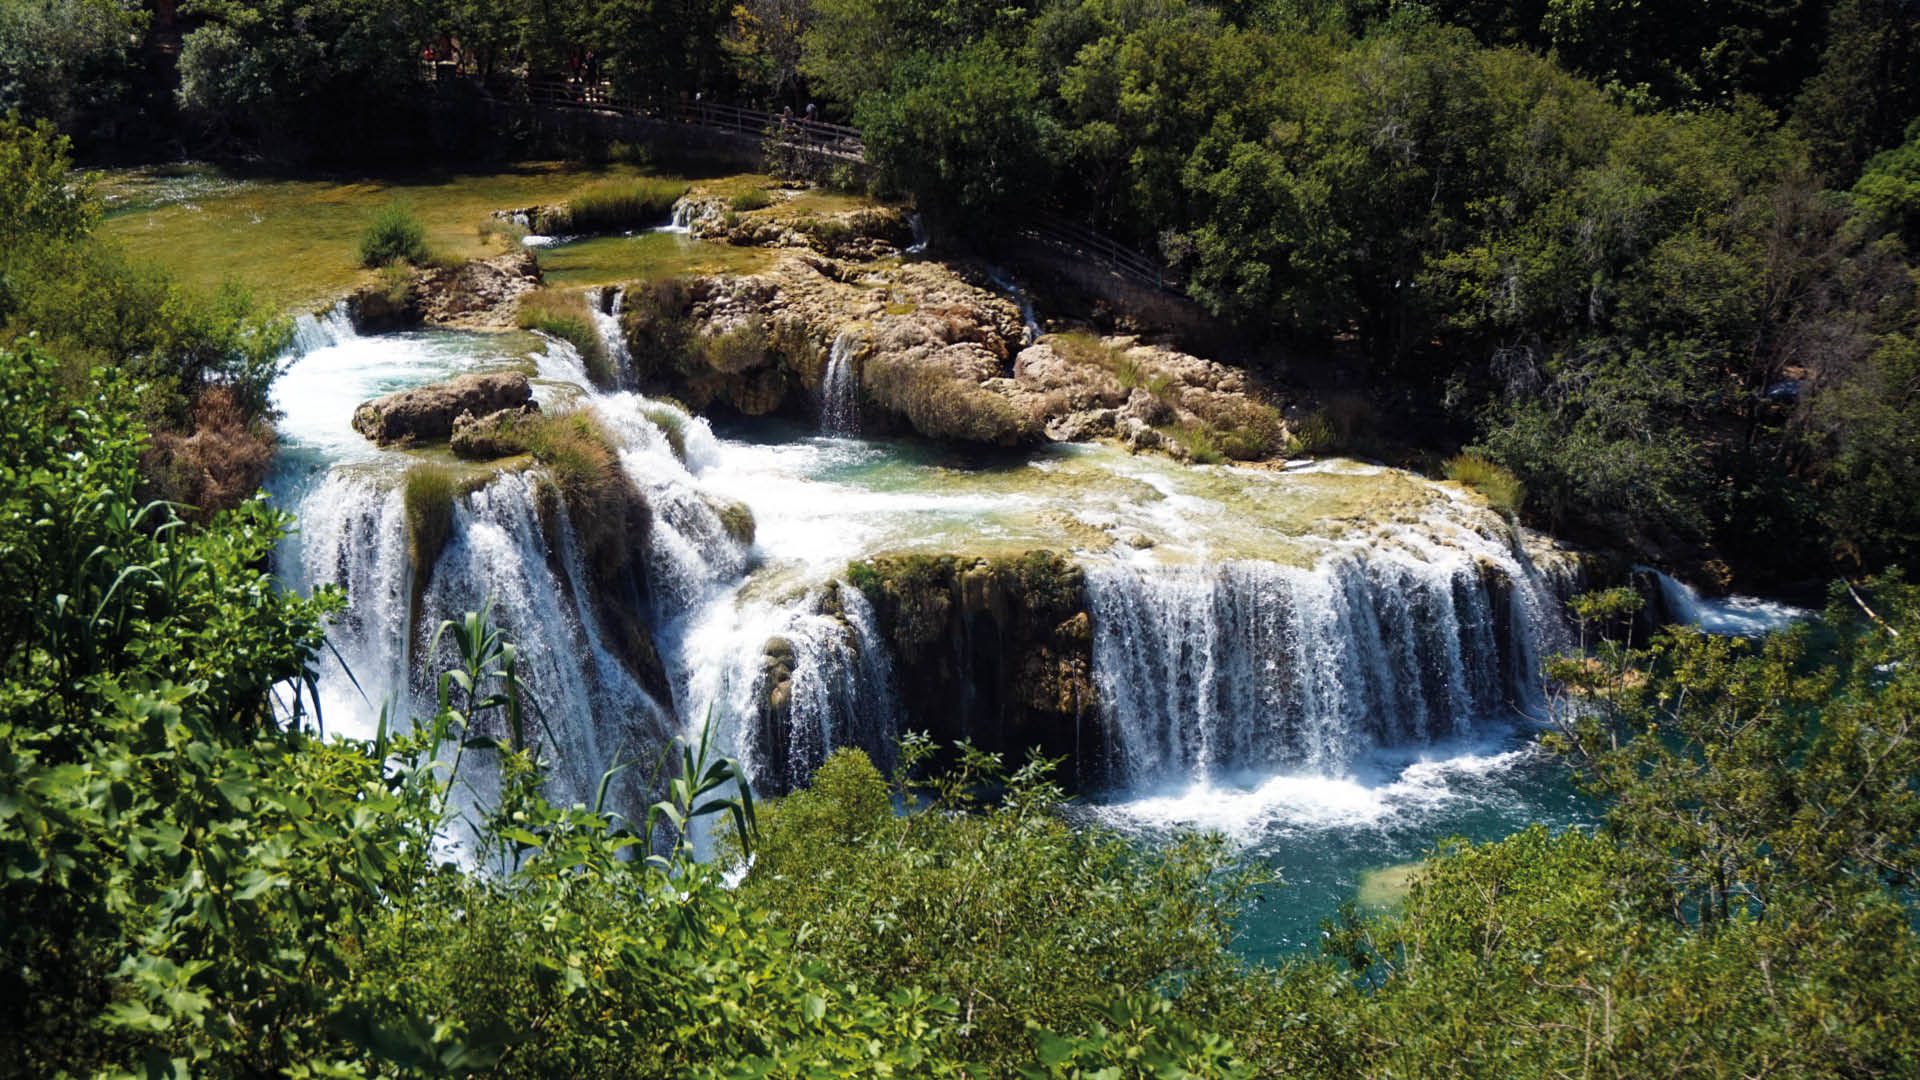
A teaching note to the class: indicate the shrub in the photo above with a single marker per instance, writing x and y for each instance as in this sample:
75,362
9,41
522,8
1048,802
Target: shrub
509,233
1245,430
1198,440
216,463
742,348
656,325
394,235
611,206
1313,434
564,315
998,906
1502,490
750,200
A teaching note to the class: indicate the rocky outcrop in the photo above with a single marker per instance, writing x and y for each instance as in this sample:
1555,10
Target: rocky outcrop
861,232
480,294
934,350
429,412
995,650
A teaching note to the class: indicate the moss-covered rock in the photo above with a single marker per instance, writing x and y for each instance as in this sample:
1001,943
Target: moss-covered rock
995,650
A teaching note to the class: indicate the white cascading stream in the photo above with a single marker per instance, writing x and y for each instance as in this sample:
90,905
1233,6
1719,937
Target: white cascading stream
840,387
1242,668
605,306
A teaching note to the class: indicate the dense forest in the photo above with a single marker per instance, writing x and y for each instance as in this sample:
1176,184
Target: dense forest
1658,261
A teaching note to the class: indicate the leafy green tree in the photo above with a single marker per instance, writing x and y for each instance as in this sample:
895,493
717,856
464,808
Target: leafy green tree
1005,908
69,62
964,135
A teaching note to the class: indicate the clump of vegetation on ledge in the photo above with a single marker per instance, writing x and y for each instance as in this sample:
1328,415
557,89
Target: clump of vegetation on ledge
943,404
755,198
1502,490
564,315
612,206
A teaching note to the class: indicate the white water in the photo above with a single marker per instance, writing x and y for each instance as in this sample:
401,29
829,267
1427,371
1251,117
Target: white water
840,387
1252,628
1029,317
605,305
1732,615
1244,667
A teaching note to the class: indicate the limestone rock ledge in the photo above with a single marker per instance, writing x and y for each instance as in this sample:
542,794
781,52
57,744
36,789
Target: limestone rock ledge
933,349
429,412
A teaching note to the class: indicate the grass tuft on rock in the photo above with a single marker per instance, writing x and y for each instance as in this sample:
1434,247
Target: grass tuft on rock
1495,483
612,206
750,200
941,404
427,494
564,315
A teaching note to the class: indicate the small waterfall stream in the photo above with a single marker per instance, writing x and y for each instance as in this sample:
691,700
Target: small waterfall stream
840,387
606,305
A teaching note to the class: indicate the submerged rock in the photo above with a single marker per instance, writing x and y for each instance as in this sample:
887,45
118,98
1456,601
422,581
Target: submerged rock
429,412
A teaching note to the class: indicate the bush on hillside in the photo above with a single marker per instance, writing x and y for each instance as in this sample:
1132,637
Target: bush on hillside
1502,490
394,235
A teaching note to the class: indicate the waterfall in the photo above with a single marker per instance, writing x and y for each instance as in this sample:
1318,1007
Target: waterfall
592,712
353,535
311,333
789,681
918,228
605,305
682,220
1742,615
840,387
1029,318
1252,667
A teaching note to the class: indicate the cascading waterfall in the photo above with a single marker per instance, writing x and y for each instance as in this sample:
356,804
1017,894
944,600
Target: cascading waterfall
1029,317
605,305
1203,668
592,712
353,535
1734,615
1248,667
312,333
840,387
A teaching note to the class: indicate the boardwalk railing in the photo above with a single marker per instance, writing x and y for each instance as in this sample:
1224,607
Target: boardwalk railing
810,136
1077,239
814,137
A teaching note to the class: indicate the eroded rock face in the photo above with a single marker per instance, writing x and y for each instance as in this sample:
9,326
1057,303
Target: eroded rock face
477,295
481,294
429,412
865,232
931,349
995,650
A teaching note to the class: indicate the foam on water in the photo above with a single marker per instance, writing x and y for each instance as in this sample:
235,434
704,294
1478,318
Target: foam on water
1750,616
